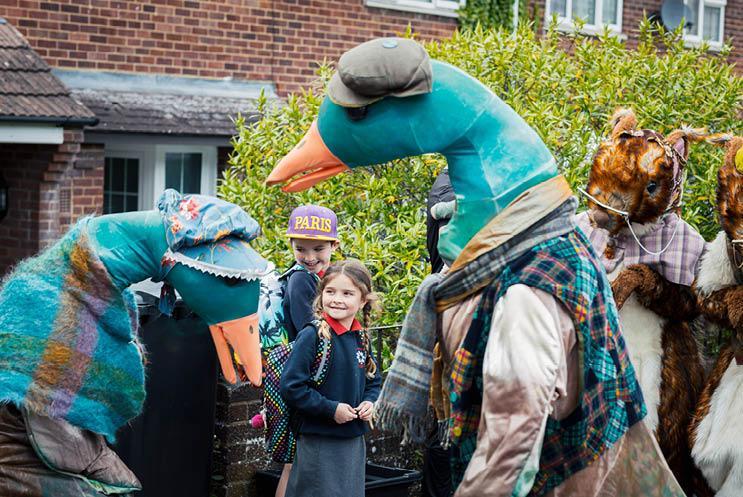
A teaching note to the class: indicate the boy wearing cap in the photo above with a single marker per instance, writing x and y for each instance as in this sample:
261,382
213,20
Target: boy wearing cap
313,238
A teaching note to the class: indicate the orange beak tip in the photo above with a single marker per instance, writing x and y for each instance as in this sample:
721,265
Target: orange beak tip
293,188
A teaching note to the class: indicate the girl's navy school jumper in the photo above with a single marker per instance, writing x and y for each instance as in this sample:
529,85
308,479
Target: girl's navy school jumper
345,381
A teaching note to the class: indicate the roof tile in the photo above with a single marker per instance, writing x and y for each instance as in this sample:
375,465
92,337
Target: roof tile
28,89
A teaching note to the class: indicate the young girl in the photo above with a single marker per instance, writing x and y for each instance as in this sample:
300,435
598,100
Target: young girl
331,454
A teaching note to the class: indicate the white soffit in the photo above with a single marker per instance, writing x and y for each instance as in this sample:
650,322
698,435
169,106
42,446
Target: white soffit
31,133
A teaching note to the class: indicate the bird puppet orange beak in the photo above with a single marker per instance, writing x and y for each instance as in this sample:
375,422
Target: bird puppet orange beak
309,162
242,335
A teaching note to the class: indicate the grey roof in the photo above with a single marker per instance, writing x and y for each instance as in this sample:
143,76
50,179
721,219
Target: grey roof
130,112
28,89
138,103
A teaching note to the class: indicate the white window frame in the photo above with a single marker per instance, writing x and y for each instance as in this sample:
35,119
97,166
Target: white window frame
445,8
568,25
128,154
695,40
208,184
152,165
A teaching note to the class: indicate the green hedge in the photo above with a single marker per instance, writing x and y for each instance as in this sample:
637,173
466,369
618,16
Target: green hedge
566,95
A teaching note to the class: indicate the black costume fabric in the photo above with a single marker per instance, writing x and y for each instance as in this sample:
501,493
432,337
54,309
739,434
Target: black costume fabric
441,191
436,470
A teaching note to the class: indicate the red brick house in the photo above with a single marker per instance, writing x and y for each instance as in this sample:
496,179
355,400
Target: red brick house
43,160
104,103
159,83
164,79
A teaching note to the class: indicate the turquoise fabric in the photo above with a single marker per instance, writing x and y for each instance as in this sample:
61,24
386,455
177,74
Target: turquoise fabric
215,299
67,339
493,155
132,245
208,241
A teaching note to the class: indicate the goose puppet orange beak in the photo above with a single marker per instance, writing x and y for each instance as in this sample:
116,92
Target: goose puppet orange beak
309,162
242,335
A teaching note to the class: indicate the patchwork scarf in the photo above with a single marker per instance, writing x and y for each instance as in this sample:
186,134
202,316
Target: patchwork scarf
68,339
403,403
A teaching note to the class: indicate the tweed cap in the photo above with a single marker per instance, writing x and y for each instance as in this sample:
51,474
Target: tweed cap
397,67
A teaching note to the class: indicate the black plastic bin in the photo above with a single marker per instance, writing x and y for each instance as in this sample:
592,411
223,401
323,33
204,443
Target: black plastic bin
381,481
169,446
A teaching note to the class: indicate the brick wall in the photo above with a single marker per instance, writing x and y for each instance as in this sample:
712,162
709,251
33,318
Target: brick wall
23,167
269,40
634,10
274,40
239,449
49,187
81,191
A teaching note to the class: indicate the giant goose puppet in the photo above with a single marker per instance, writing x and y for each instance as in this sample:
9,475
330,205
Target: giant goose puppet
71,369
539,394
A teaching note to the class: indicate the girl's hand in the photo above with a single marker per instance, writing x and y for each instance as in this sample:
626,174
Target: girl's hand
344,413
365,410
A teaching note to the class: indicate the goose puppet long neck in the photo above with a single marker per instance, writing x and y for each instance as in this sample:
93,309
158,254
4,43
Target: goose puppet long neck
493,155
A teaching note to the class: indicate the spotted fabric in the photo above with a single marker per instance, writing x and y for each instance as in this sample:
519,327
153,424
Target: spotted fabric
281,441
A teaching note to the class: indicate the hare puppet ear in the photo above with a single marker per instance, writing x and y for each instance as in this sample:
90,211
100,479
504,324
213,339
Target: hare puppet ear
622,121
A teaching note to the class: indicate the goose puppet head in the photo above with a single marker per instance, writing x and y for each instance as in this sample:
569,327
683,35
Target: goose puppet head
389,100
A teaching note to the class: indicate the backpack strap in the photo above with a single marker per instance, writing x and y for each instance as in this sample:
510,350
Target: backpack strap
297,267
321,364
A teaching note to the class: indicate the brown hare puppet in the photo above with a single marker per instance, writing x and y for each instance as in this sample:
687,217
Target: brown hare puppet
650,255
717,428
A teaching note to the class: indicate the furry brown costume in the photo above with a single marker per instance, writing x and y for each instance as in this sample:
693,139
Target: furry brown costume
716,432
638,171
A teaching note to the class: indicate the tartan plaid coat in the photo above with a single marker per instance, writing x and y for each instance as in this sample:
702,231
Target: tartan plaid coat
611,400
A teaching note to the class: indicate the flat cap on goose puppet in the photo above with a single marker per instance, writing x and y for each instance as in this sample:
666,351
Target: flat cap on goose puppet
493,155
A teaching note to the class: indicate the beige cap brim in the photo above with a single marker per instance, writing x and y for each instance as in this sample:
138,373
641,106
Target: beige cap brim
342,95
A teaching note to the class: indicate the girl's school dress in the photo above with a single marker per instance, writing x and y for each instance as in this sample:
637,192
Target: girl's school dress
331,457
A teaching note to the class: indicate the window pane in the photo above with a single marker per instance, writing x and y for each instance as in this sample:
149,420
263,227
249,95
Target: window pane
711,30
192,174
107,173
692,24
120,185
173,168
609,12
117,203
131,203
559,7
585,9
117,175
183,172
132,176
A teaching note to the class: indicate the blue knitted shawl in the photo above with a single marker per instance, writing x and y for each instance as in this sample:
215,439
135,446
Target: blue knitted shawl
68,339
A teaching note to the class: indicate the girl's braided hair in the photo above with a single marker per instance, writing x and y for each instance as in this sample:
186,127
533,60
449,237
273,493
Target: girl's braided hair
359,275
